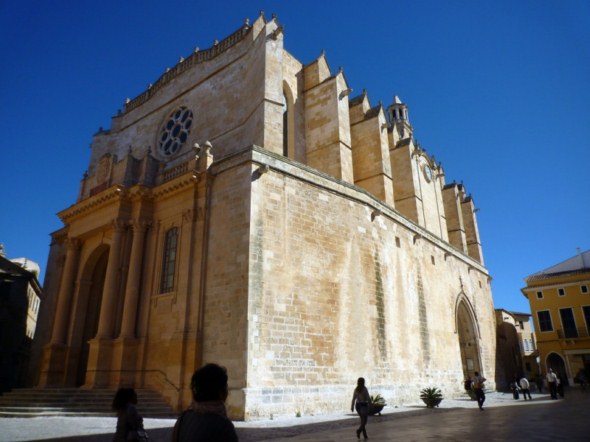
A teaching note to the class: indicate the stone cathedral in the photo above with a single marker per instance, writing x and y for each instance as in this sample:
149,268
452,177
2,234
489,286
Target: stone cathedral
249,210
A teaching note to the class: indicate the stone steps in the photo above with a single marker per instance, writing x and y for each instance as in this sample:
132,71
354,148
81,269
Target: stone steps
33,402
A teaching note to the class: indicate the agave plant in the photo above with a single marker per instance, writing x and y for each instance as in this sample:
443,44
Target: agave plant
431,396
377,404
378,400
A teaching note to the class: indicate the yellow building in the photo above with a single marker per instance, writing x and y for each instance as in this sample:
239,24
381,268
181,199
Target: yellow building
516,351
560,304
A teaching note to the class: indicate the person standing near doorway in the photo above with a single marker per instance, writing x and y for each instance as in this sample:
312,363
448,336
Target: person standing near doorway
552,383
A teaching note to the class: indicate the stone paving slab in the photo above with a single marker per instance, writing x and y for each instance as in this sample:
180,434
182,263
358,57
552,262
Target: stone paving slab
459,419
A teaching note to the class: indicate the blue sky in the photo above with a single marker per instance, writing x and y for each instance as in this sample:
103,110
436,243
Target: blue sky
498,91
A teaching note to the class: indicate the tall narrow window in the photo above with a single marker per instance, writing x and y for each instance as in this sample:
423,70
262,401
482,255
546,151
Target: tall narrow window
586,310
169,260
568,322
285,127
545,324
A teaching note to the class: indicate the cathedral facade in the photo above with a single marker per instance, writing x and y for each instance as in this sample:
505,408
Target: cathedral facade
247,210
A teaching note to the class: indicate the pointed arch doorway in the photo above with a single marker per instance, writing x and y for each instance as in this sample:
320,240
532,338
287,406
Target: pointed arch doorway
468,335
94,276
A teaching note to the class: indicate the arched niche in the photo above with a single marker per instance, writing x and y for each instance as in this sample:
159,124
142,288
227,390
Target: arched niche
89,298
468,334
288,122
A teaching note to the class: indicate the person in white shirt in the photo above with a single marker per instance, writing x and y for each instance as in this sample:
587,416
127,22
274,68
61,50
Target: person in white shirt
525,388
552,383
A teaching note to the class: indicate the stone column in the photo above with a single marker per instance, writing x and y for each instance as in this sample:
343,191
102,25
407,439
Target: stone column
110,292
133,281
66,291
54,354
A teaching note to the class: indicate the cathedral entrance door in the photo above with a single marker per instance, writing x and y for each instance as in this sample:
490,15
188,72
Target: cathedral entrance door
92,311
468,341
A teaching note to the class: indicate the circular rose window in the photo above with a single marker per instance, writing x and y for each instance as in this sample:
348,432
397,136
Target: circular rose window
175,131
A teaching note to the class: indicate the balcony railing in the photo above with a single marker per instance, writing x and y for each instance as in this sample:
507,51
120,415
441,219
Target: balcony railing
573,333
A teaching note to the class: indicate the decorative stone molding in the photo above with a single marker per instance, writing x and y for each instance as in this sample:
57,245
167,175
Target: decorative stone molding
187,215
73,243
197,57
140,225
204,156
92,203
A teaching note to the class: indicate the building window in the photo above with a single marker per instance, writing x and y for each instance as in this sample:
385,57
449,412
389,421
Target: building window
561,292
584,289
521,325
539,295
175,132
169,260
568,323
545,324
398,243
285,127
586,311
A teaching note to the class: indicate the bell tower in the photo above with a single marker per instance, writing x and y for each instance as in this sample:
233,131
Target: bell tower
399,120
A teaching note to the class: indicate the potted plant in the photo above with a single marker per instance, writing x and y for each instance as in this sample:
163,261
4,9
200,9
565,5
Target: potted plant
431,396
469,389
377,404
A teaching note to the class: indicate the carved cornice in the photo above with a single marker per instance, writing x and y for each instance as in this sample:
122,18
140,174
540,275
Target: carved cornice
104,198
180,183
138,193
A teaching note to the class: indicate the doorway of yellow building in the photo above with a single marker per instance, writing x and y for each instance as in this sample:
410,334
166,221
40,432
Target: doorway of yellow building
556,362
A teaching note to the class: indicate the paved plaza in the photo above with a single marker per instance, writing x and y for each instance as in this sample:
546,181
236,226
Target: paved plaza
503,419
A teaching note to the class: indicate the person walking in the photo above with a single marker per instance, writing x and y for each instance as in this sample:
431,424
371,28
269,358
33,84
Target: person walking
582,378
129,422
539,382
552,383
525,388
515,387
478,387
559,386
362,400
206,420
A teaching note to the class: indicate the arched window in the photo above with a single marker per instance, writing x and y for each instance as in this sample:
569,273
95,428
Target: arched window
169,260
285,127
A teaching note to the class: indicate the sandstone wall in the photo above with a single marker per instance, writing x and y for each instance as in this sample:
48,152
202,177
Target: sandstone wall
335,295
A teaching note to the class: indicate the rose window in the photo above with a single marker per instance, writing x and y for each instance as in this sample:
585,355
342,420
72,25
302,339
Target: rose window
175,131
